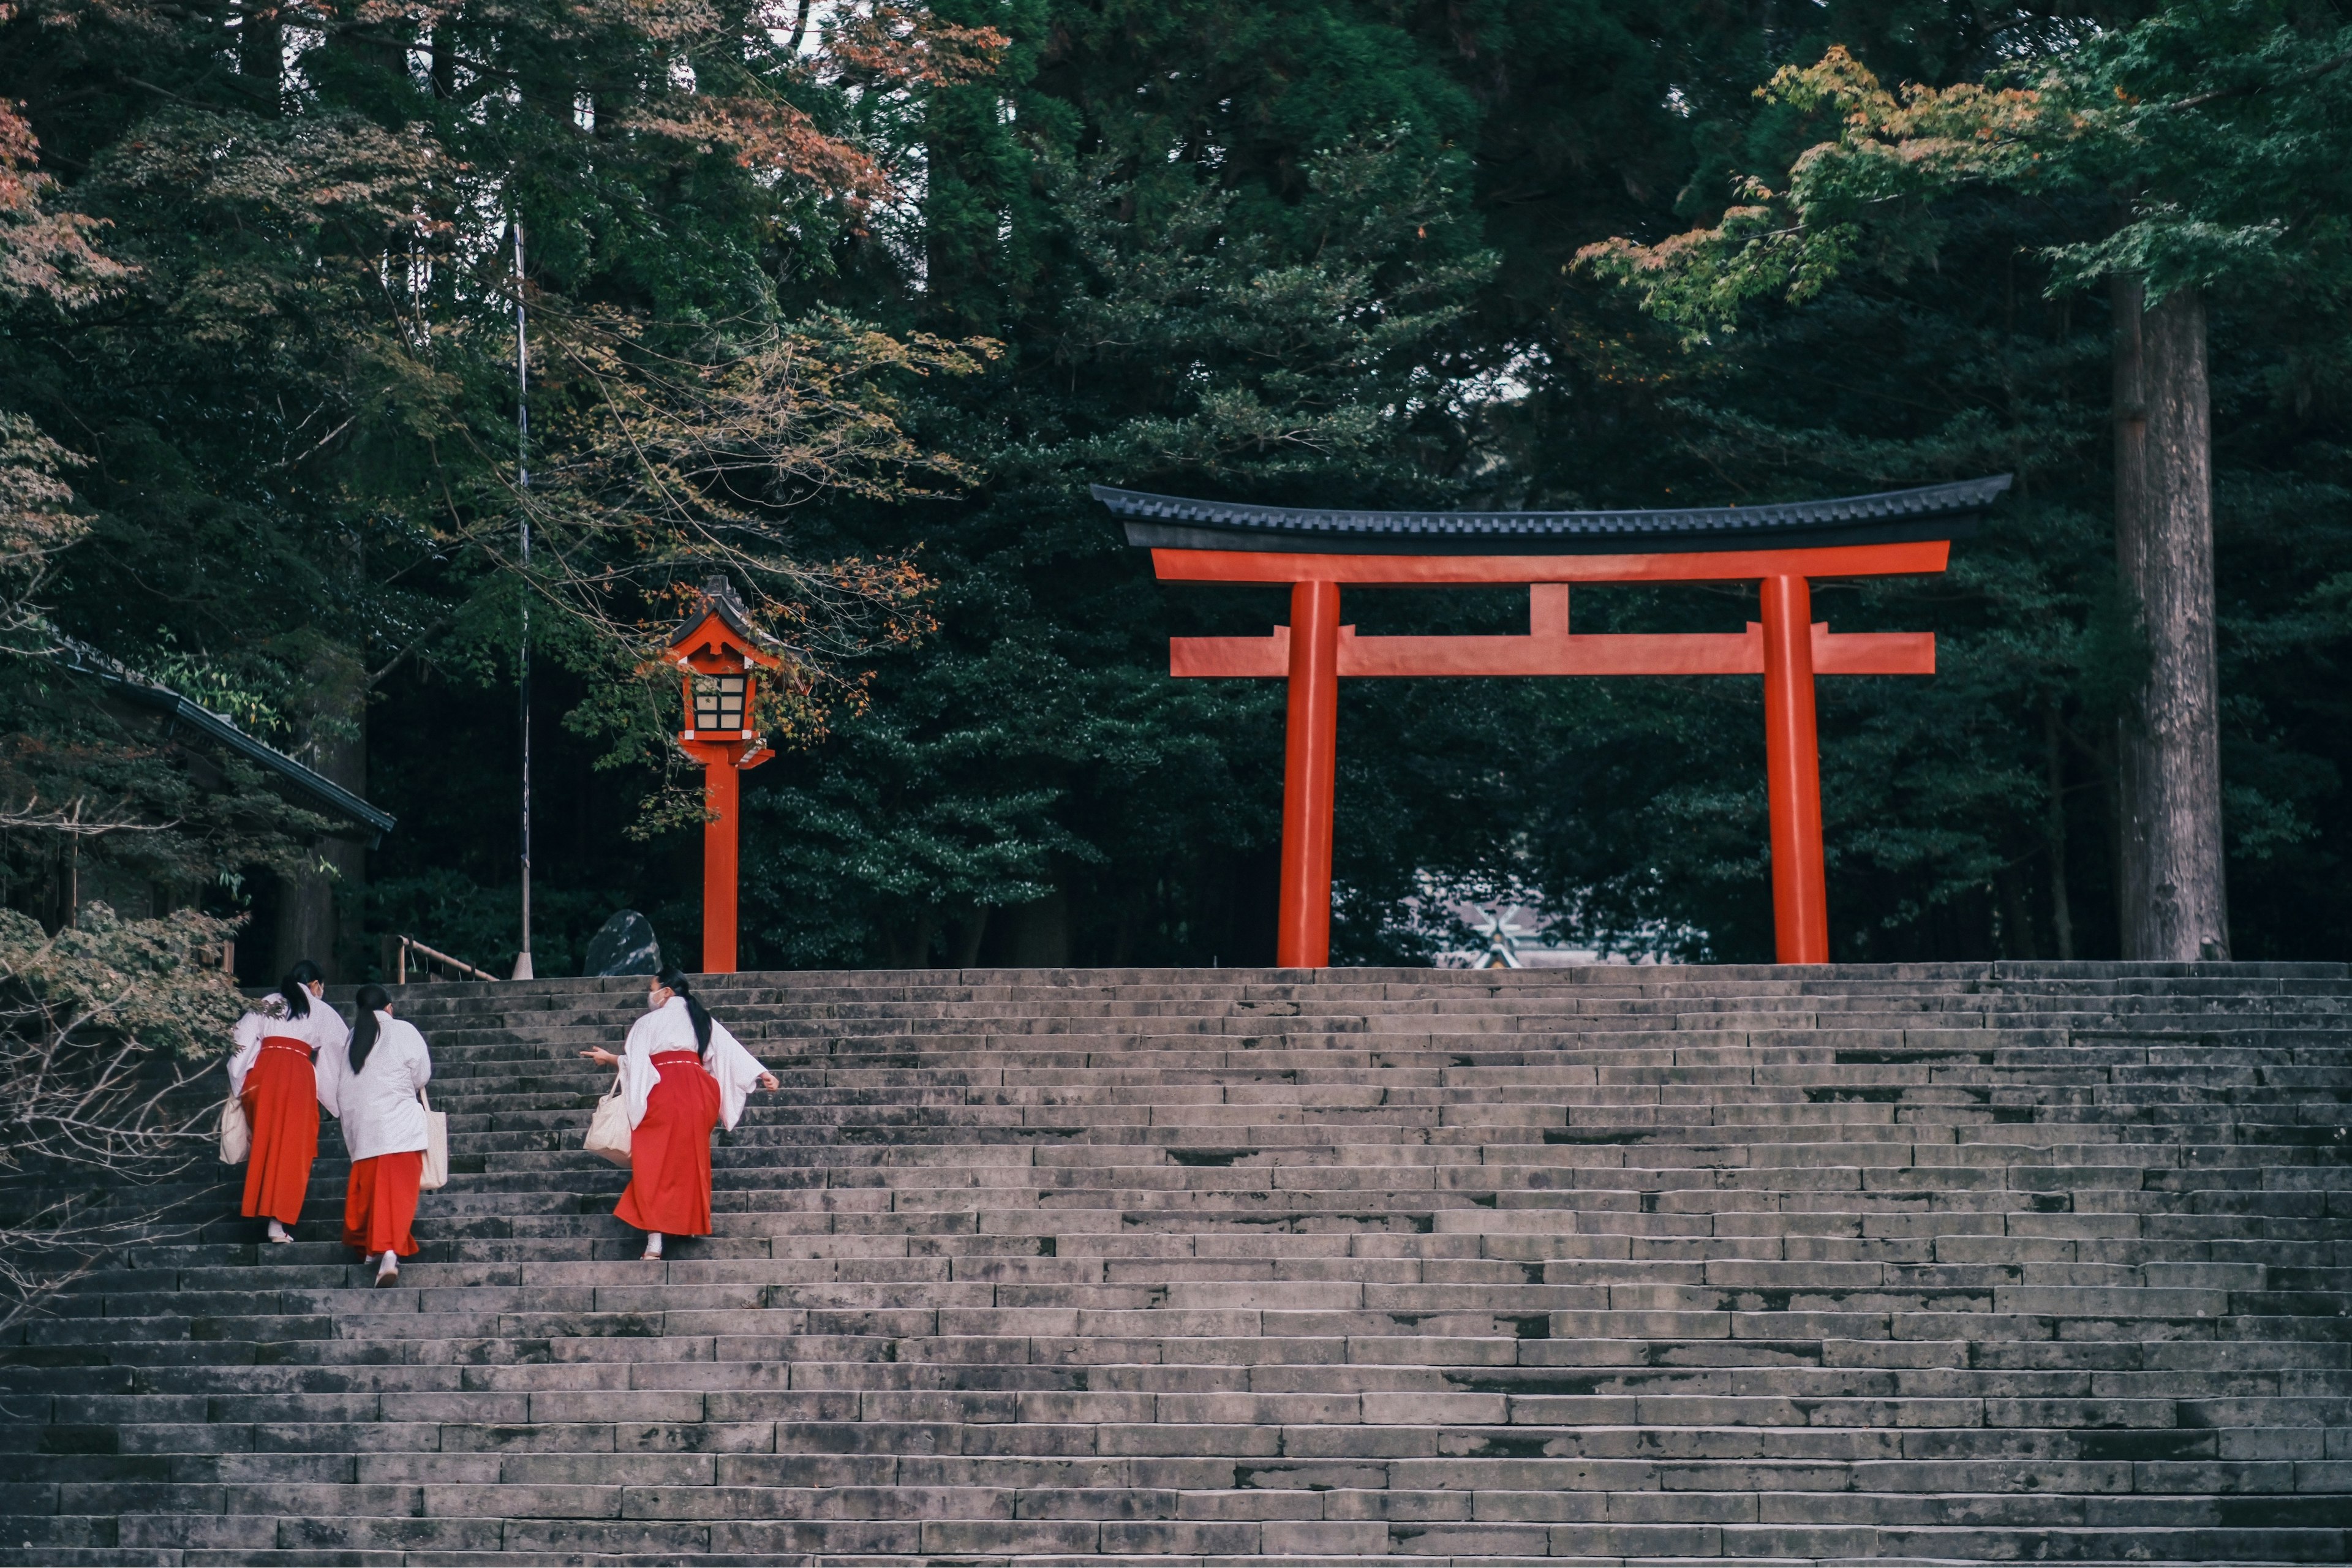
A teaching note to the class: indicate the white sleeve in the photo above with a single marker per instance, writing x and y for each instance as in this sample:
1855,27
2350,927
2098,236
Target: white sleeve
420,1056
638,1074
331,1072
247,1037
737,1070
333,1037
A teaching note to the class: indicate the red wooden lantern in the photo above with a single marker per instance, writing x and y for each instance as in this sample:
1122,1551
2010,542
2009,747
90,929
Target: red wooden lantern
720,652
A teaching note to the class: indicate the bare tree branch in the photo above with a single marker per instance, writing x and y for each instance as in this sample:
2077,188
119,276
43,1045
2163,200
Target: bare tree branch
106,1028
70,821
2245,90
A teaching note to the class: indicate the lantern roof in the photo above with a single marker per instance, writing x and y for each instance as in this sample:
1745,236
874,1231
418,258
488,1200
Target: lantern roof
719,603
1883,517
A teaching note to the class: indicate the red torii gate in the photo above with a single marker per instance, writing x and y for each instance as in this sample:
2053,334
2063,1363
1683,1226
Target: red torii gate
1781,547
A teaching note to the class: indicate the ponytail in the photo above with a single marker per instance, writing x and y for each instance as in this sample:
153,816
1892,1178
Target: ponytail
364,1027
674,982
295,987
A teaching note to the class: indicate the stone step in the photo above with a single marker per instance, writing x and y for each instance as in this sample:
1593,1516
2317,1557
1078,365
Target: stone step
1253,1366
741,1488
590,1538
1621,1039
2269,1264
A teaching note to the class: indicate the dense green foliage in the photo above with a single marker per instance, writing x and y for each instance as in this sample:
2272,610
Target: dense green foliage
858,315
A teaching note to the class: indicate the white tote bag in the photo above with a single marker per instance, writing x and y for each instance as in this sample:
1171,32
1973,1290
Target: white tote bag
435,1174
608,1130
235,1132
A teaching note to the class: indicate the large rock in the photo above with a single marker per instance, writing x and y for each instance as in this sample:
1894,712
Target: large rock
625,945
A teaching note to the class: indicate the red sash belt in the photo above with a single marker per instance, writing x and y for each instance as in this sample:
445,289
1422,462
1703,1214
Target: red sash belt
290,1043
662,1057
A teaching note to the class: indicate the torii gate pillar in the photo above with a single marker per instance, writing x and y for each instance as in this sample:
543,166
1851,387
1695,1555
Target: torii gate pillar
1792,773
1311,777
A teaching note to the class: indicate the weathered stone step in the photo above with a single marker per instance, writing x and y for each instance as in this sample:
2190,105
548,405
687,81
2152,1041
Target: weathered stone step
2264,1265
740,1488
588,1537
1434,1041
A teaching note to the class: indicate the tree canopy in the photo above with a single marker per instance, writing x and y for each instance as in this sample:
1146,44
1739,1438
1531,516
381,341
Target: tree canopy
852,300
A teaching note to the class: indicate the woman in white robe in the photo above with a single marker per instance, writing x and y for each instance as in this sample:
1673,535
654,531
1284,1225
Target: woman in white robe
681,1074
273,1073
372,1088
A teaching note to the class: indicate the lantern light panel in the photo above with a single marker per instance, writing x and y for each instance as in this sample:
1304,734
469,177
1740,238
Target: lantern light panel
718,702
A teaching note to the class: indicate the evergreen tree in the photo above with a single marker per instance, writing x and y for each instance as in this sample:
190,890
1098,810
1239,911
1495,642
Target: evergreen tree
855,302
288,407
1225,248
2193,151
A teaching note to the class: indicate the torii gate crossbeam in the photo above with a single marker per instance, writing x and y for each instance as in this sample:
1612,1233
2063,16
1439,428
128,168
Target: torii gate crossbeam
1781,548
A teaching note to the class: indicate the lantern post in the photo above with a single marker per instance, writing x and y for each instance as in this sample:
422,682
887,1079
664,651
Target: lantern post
721,659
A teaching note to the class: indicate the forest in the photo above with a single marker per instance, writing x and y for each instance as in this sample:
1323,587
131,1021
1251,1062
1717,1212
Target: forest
851,301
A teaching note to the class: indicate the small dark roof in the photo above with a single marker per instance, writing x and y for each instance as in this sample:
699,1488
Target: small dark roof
719,598
127,683
1888,517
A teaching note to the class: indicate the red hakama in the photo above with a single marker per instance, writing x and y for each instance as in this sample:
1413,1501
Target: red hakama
281,1100
670,1150
380,1203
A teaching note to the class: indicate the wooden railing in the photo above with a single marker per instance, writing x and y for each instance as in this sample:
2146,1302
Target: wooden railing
399,951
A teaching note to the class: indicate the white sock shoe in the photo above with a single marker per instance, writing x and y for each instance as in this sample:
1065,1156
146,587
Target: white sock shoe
653,1245
277,1232
389,1269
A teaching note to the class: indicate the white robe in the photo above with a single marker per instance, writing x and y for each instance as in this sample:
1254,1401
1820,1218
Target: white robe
667,1028
378,1105
322,1027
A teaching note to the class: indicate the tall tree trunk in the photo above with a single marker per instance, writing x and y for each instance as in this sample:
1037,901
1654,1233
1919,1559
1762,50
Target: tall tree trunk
1037,936
2017,936
2169,742
964,944
261,53
309,922
2062,904
443,65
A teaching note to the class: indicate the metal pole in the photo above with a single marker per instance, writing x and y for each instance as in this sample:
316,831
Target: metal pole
522,970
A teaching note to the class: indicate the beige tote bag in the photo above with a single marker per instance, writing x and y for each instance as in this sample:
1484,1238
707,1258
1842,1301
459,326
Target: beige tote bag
235,1132
608,1130
435,1174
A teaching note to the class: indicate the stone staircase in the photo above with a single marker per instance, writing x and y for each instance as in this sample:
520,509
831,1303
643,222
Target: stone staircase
1967,1262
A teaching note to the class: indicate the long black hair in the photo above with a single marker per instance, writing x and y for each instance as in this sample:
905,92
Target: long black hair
674,980
370,997
296,986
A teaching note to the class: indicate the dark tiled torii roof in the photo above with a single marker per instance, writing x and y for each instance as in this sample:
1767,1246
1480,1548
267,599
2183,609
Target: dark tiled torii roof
1888,517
